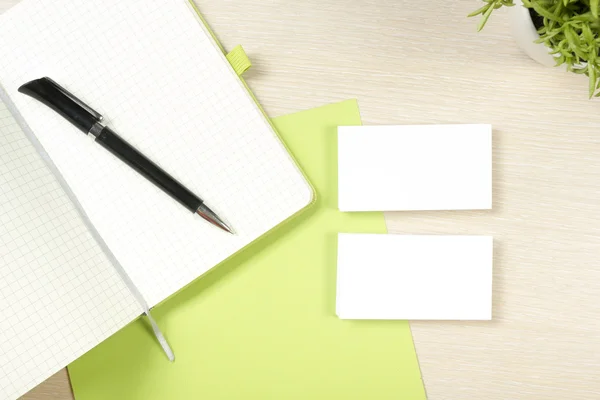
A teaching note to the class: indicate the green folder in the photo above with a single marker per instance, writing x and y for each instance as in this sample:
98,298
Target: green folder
263,325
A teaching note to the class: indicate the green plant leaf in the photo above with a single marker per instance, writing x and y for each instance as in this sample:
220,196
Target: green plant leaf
544,12
558,9
484,18
585,17
594,7
592,75
545,37
592,54
571,37
480,10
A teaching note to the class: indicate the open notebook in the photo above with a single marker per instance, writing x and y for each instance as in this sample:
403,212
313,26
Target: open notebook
86,243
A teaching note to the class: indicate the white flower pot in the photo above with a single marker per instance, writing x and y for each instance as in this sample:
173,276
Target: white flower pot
525,34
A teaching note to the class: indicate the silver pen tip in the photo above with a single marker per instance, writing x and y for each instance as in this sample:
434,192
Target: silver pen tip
213,218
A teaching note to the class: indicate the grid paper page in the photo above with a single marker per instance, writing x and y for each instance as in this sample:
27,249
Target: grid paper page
59,294
151,68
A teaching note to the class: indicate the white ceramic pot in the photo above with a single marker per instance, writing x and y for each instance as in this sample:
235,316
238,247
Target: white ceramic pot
525,34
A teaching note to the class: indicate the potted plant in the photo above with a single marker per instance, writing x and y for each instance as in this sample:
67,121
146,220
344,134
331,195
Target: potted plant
556,32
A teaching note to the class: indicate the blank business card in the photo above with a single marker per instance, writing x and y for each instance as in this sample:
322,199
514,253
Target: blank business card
415,167
414,277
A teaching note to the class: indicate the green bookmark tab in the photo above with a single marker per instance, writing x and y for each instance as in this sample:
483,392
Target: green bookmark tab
239,60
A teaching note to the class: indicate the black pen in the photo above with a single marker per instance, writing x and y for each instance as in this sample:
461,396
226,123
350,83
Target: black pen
89,122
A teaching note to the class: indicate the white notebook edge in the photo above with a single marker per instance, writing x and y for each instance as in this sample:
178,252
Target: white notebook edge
5,98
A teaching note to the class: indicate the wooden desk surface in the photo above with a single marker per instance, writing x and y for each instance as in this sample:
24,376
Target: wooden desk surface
423,62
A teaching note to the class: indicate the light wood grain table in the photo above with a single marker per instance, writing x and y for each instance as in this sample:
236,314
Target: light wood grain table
413,62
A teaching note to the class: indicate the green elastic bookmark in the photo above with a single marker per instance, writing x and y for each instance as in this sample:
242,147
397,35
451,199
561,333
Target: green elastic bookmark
239,60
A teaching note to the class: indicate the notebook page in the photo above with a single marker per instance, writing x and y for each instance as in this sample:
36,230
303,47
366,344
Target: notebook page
151,68
59,294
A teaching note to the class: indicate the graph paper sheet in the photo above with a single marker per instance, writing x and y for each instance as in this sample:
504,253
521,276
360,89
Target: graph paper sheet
59,294
152,69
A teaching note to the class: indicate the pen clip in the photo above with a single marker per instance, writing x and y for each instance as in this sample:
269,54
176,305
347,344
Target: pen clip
80,103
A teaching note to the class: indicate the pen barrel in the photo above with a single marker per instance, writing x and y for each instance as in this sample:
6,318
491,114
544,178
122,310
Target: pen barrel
111,141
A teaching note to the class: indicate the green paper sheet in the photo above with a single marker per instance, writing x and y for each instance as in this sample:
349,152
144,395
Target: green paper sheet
262,325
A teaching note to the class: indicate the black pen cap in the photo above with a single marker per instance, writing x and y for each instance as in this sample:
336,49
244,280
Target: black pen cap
60,100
